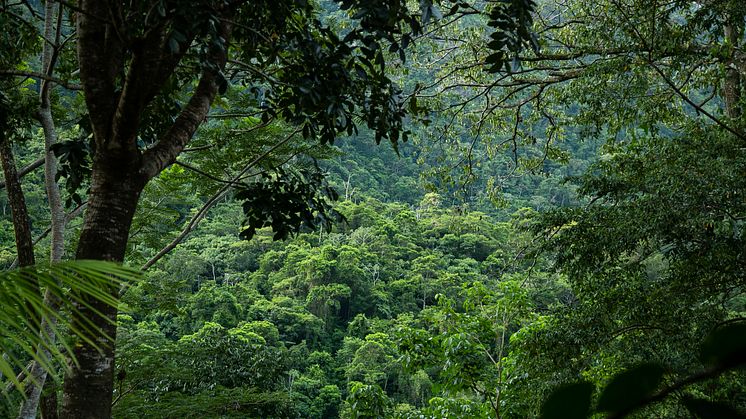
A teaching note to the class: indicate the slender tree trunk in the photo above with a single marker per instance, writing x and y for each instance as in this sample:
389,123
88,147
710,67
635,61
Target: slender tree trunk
56,209
52,13
25,248
21,221
115,191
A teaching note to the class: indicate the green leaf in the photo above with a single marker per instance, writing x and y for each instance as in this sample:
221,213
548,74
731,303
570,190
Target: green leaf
630,387
571,401
75,284
725,345
494,58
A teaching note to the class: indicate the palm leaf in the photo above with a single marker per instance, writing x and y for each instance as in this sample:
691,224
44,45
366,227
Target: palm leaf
75,284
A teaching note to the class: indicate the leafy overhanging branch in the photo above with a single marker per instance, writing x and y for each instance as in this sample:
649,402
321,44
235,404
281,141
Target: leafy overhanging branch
636,388
289,201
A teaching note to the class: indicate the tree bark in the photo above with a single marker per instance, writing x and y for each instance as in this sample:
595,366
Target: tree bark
25,249
21,221
115,190
52,15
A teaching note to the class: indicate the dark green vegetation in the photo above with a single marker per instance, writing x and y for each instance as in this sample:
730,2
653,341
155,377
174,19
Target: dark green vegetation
553,226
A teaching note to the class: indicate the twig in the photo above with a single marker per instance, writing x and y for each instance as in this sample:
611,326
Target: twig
201,172
42,76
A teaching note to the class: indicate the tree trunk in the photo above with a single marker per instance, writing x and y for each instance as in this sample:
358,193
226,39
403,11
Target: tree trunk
120,172
25,249
115,190
52,13
21,221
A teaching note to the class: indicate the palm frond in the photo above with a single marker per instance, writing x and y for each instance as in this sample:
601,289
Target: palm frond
22,308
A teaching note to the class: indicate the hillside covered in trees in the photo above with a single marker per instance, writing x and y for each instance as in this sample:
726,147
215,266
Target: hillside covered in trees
373,209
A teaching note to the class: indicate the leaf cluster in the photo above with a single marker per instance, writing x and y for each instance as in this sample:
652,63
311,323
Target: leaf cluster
289,201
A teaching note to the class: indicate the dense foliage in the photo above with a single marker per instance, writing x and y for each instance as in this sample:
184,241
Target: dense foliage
554,226
399,308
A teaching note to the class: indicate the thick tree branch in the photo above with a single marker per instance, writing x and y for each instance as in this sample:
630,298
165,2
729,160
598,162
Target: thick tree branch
152,64
164,153
26,170
176,138
42,76
101,60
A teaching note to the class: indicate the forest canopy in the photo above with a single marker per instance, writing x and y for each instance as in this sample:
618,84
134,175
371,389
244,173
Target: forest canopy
440,209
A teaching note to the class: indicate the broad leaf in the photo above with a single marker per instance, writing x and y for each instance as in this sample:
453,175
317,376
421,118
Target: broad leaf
572,401
630,387
725,345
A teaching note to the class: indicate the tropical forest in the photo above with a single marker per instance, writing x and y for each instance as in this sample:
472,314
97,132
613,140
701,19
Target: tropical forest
373,209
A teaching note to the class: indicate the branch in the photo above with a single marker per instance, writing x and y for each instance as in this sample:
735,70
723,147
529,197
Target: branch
201,172
164,153
42,76
259,72
29,24
700,109
200,148
632,328
670,83
26,170
151,66
692,379
212,201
